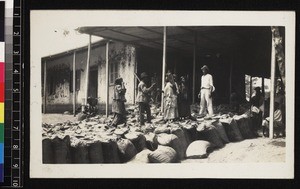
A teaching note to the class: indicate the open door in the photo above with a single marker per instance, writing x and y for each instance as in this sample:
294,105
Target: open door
93,83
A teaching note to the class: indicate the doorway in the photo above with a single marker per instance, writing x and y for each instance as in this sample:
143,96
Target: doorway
93,82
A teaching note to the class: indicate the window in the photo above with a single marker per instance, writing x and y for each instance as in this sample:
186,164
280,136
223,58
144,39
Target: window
51,85
114,72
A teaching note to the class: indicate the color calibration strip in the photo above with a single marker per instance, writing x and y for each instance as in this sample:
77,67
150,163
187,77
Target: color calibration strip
2,89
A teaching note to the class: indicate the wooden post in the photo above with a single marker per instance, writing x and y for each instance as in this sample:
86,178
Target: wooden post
45,87
230,82
74,83
135,83
107,79
250,88
194,67
263,86
163,67
272,90
87,70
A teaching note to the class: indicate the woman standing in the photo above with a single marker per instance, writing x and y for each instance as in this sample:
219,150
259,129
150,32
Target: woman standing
170,99
118,104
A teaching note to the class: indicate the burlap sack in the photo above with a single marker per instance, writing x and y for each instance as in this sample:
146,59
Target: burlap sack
137,139
232,130
221,131
126,150
96,153
198,149
48,153
172,141
61,150
80,153
151,141
163,154
141,157
244,127
210,134
110,151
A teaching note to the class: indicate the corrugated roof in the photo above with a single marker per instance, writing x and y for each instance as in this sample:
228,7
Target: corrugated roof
247,45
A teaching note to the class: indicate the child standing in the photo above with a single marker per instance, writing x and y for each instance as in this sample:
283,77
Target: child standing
143,98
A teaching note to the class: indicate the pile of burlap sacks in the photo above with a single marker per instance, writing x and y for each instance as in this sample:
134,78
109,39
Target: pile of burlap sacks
93,141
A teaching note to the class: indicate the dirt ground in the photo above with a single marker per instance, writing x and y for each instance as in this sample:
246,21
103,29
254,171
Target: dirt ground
56,118
250,150
247,151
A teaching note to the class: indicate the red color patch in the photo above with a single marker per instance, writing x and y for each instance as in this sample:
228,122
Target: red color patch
2,92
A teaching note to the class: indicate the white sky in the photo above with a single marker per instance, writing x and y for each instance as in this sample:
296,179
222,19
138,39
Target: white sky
48,33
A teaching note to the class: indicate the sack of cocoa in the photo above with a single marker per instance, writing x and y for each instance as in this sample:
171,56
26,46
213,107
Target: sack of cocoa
96,153
110,151
48,153
61,149
126,150
163,154
141,157
137,139
198,149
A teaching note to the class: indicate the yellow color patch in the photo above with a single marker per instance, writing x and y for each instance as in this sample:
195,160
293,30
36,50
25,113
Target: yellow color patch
1,112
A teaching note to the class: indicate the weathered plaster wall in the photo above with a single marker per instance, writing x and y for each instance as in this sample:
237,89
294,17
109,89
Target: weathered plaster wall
62,99
126,70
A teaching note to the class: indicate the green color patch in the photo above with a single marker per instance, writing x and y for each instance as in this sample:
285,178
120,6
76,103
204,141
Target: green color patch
1,132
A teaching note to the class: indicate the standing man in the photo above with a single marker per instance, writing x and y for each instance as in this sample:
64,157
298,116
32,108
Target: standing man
207,87
143,97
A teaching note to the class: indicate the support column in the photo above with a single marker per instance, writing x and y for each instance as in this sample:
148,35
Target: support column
250,87
194,67
163,67
135,83
87,70
74,83
263,85
272,90
107,79
45,87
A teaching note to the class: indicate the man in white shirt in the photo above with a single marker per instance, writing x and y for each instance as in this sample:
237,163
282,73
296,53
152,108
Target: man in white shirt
207,87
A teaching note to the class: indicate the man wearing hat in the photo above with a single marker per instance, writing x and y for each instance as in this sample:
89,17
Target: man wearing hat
143,98
207,87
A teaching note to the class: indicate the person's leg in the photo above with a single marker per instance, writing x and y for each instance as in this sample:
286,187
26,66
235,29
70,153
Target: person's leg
202,103
115,120
264,127
208,99
141,112
148,112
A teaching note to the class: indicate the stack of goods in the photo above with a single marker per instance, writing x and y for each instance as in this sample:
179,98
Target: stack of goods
93,141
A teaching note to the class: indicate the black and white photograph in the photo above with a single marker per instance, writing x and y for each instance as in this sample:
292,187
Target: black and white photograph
162,94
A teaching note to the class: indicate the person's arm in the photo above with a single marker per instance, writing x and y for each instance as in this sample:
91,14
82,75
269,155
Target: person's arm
120,89
145,89
211,83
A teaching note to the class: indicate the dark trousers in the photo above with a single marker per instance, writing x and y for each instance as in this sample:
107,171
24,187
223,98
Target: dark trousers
144,107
